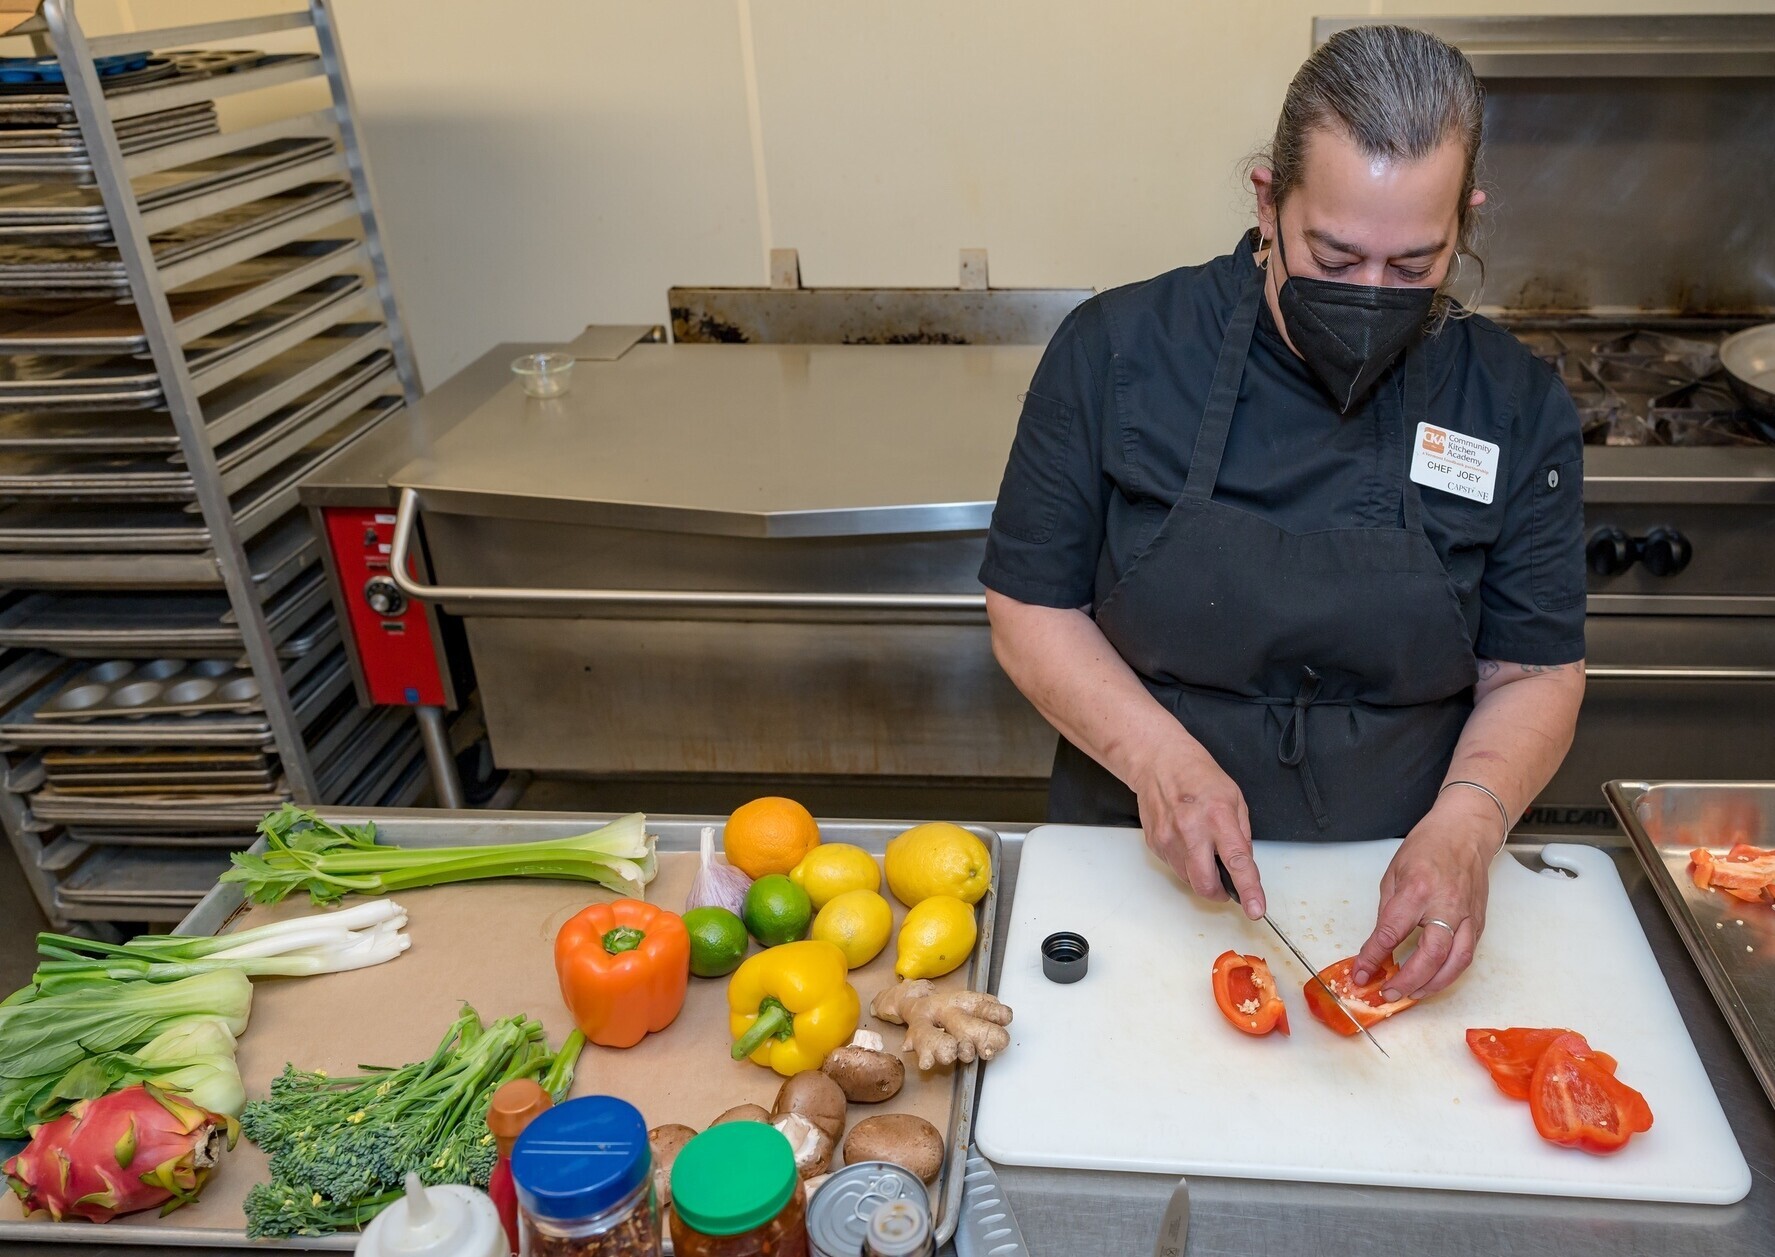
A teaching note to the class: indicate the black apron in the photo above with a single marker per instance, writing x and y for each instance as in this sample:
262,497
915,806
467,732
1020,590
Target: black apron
1328,673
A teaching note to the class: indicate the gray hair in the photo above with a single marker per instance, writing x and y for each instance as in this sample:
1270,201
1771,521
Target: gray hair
1398,93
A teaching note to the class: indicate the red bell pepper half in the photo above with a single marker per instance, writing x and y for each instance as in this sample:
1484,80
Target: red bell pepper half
1578,1102
1364,1003
1246,994
1511,1055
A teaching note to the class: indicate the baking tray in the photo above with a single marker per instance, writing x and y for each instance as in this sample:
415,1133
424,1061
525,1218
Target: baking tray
405,1003
248,400
88,432
90,625
56,528
64,157
154,687
81,478
314,696
370,743
281,553
76,381
280,328
128,877
62,214
1730,941
83,270
95,836
384,773
59,334
49,102
112,327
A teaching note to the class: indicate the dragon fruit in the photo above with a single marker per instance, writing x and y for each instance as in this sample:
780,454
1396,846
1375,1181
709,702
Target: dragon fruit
130,1150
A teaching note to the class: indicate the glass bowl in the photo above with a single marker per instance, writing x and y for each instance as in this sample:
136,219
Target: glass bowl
543,375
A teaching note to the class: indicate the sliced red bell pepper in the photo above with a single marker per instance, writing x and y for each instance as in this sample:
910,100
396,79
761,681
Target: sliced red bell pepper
1511,1055
1246,994
1744,872
1364,1003
1577,1101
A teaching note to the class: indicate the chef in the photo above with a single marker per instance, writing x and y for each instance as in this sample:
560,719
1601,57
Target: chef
1289,545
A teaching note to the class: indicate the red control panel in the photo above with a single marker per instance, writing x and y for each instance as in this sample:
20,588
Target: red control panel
392,632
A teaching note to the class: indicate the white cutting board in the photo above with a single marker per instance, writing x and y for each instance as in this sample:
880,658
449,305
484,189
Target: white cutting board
1133,1068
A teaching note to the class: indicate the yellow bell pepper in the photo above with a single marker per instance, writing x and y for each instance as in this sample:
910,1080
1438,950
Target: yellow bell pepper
791,1007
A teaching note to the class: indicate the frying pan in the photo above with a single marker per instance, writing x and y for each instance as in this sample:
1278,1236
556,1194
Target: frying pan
1748,359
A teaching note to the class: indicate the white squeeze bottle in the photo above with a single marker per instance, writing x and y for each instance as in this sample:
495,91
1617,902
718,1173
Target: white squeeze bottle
443,1221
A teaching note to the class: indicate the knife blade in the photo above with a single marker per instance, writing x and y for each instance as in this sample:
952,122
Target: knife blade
1174,1226
1226,884
986,1227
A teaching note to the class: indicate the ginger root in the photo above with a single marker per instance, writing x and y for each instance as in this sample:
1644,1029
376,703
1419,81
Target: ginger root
945,1028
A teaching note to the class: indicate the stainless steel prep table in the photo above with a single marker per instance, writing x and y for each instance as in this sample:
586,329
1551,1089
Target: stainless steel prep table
1067,1213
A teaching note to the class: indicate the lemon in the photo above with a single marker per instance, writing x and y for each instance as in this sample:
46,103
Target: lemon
938,859
858,921
937,936
833,868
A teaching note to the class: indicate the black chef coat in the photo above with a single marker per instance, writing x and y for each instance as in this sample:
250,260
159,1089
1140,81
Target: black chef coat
1103,447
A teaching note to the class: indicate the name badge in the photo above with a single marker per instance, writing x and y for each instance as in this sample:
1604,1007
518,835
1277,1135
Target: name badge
1454,463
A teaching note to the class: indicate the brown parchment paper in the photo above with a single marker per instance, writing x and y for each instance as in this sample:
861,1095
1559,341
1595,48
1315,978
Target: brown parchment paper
492,944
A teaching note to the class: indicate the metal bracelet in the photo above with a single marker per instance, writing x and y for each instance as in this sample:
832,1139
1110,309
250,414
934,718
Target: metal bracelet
1488,792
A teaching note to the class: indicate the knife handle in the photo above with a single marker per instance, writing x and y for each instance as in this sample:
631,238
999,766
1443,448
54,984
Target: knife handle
1226,879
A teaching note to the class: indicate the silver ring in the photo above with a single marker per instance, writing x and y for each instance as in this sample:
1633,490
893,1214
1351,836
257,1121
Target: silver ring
1438,921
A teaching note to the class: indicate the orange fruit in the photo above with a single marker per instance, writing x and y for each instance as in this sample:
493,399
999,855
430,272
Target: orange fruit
769,835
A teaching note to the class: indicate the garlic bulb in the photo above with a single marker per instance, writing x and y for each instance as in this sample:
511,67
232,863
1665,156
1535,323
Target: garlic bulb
717,883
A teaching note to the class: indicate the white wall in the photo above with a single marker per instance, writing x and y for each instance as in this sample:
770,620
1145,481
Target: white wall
542,164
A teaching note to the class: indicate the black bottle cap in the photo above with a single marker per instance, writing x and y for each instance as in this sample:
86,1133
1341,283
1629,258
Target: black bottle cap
1065,956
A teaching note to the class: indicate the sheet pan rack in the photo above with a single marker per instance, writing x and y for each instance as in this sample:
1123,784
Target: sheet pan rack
192,316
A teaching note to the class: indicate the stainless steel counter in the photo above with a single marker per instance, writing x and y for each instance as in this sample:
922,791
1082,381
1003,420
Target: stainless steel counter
1075,1214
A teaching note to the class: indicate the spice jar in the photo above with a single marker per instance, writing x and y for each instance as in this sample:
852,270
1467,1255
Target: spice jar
515,1105
735,1193
584,1176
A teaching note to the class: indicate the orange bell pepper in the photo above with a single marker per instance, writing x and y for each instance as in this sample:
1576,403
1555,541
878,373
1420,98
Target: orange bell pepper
623,968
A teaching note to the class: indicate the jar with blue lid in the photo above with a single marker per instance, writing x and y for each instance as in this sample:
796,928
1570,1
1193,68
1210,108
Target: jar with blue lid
584,1178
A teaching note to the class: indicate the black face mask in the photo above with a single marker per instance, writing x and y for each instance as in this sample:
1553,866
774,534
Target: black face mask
1349,334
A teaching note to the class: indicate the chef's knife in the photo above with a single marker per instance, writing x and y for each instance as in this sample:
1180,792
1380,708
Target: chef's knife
1226,884
985,1227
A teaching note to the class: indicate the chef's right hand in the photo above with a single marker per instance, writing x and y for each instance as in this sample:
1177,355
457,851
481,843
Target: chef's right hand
1190,810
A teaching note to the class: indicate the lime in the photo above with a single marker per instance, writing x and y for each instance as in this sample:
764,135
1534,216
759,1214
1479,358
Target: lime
777,911
718,941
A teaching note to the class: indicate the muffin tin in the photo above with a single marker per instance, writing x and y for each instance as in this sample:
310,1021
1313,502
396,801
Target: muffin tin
157,687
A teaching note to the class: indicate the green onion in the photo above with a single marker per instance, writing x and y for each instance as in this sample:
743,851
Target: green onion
324,942
329,861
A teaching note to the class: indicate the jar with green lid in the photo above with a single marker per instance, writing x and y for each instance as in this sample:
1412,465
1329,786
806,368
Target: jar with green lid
735,1193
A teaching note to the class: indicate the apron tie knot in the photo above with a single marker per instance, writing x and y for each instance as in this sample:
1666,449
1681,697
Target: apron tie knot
1291,747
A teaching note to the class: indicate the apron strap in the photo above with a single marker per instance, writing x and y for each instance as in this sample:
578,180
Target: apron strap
1291,747
1223,394
1414,413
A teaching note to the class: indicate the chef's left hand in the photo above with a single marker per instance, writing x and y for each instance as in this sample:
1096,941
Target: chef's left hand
1439,873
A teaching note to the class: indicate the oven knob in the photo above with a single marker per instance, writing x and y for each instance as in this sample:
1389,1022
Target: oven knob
1609,552
1665,551
384,596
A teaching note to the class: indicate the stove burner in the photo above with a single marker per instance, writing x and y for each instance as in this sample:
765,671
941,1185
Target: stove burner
1643,387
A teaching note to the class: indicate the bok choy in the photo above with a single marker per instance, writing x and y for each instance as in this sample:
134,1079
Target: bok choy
47,1040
